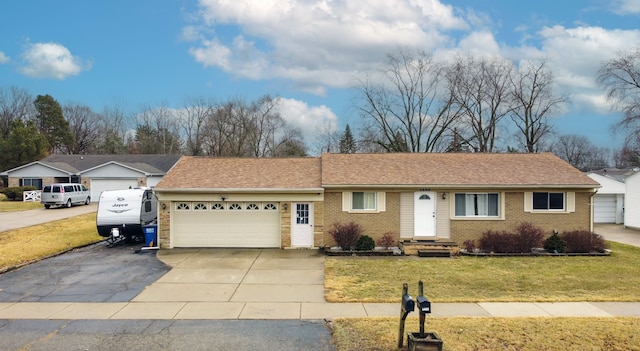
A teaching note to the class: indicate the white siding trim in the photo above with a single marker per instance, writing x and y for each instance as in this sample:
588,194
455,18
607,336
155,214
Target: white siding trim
406,215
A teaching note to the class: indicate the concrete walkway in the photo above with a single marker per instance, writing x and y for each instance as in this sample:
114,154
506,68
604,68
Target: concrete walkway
20,219
272,284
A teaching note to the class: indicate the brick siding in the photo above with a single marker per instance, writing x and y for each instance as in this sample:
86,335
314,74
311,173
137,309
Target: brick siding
373,224
462,230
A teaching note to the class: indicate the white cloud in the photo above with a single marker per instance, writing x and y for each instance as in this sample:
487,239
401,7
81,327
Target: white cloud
626,7
4,58
576,54
308,118
317,43
51,60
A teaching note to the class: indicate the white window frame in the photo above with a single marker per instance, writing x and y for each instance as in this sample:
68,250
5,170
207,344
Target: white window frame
467,194
379,202
569,202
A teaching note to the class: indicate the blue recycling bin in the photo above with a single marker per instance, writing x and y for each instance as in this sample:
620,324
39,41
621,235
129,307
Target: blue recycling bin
150,235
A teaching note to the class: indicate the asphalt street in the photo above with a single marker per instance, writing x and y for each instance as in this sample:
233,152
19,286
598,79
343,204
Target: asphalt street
185,335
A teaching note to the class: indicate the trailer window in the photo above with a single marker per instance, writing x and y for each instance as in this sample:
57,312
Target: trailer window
147,206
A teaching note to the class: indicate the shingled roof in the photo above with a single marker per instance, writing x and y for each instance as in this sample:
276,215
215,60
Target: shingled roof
481,170
201,173
75,164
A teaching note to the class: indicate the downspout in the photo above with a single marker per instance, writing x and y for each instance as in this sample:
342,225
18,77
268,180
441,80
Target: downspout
591,203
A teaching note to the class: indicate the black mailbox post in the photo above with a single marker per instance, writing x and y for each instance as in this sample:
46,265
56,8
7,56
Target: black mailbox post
423,340
407,306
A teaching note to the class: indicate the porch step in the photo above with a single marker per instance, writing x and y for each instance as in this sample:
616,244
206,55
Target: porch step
434,253
428,248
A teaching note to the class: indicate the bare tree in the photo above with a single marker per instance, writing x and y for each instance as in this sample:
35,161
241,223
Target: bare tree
481,88
407,108
327,138
535,102
193,120
620,77
577,150
114,130
265,122
15,104
157,132
85,127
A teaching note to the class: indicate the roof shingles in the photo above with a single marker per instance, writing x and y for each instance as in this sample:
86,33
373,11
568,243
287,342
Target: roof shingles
468,170
243,173
451,169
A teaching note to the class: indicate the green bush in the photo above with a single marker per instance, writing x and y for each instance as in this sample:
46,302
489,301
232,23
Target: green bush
365,243
555,243
15,193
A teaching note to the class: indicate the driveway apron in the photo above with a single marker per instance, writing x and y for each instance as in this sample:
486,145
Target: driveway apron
238,275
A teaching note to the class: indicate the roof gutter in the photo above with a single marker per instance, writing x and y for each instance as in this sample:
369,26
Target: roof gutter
459,186
240,190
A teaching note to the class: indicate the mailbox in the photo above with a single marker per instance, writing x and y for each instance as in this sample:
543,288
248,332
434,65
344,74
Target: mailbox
423,304
407,303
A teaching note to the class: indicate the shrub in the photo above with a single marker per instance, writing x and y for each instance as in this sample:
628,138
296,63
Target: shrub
554,243
583,241
365,243
346,235
528,236
469,245
387,240
15,193
498,242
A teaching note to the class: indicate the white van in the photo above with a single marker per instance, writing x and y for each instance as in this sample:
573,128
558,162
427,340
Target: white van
65,194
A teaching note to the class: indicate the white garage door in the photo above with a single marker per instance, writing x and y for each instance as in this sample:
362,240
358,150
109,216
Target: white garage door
604,209
100,185
226,224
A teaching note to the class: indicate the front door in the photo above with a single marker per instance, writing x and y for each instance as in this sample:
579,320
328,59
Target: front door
424,214
302,224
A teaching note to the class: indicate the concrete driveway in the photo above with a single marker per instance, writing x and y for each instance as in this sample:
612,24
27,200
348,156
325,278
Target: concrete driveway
618,233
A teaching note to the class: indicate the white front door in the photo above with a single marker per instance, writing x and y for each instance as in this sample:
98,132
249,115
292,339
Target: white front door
424,214
302,224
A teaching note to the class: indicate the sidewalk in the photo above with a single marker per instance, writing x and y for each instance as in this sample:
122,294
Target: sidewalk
305,310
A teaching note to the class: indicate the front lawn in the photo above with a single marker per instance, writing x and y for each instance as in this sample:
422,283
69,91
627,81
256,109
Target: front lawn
478,279
8,206
25,245
472,334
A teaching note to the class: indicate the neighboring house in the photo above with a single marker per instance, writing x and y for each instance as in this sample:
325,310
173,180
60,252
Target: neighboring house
96,172
632,201
244,202
608,206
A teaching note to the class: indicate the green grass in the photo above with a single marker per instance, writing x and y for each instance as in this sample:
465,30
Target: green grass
522,334
9,206
476,279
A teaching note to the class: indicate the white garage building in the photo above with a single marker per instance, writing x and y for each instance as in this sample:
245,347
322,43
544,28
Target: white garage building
609,200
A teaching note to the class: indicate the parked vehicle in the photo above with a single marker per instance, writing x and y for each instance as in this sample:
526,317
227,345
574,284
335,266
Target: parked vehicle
123,213
65,194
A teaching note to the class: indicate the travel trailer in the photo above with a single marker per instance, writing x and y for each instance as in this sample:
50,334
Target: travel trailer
123,213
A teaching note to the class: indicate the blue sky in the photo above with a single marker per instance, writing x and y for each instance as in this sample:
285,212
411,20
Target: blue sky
145,53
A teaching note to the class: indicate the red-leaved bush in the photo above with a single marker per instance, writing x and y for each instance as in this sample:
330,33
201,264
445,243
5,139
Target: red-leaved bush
346,235
583,241
386,240
529,237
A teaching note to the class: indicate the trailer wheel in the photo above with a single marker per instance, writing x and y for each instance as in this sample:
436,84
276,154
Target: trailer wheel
47,206
69,203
